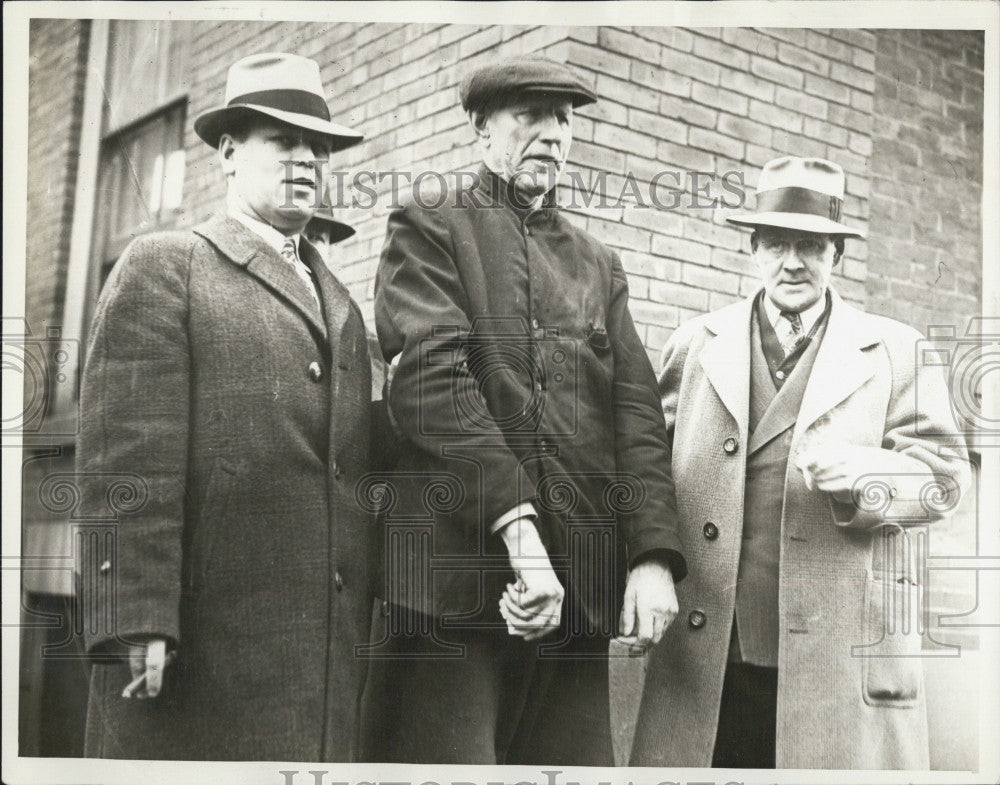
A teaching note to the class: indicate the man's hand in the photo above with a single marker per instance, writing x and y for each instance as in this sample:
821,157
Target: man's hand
650,604
838,468
147,664
533,605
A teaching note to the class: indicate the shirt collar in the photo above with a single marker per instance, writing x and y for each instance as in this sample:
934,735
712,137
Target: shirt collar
266,232
808,316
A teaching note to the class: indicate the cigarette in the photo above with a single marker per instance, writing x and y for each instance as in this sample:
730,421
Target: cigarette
133,686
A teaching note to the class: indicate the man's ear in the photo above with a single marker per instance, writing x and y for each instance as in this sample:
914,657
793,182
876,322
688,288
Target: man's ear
227,154
753,241
480,123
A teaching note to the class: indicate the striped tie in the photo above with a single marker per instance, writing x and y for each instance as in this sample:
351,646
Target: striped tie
789,330
290,255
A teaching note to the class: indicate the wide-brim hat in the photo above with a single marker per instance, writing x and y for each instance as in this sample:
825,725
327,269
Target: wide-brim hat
338,230
286,87
800,193
491,85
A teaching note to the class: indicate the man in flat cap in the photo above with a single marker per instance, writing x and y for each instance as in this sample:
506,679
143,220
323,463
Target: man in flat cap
228,371
521,385
801,456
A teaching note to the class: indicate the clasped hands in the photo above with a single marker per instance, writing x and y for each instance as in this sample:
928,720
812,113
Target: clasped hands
532,606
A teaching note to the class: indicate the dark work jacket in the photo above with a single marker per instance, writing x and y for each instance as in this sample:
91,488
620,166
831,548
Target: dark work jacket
519,377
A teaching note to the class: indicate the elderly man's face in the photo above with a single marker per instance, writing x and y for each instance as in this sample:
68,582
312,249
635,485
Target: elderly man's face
527,142
795,266
261,185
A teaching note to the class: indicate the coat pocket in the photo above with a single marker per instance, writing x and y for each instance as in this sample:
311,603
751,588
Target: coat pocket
892,668
209,520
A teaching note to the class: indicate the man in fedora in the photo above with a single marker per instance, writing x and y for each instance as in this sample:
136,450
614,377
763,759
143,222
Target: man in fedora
227,369
801,455
324,231
520,384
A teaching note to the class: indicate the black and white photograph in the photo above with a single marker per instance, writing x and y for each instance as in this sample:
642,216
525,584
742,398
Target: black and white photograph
549,393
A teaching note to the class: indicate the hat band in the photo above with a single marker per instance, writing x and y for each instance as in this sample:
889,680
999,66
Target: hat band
298,101
800,200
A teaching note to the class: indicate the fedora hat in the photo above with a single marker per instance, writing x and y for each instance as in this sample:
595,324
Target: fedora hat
338,230
799,193
283,86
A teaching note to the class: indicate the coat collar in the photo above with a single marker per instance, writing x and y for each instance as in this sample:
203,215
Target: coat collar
500,191
247,249
841,365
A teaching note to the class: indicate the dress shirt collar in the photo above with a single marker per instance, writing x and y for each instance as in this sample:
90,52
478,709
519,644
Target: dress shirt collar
266,232
808,316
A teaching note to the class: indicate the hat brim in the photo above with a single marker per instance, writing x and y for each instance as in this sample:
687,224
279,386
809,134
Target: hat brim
212,124
801,221
337,229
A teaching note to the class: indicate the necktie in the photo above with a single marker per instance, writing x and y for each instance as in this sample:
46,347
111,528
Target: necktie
789,330
290,254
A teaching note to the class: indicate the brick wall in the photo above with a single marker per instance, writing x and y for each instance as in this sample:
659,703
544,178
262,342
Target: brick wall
927,161
56,66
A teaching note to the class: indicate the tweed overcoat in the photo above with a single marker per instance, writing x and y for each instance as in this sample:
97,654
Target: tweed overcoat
519,376
850,691
243,410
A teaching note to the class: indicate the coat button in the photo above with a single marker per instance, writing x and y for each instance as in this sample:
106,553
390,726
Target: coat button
105,568
534,324
338,581
780,374
315,371
730,445
710,530
337,470
696,620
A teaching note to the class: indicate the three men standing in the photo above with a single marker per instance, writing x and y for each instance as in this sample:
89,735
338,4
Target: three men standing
800,454
228,370
519,372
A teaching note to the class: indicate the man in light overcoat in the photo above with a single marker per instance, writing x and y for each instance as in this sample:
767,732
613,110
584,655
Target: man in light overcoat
228,371
808,449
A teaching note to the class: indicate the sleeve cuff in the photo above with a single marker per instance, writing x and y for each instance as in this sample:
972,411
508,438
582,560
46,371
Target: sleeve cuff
522,510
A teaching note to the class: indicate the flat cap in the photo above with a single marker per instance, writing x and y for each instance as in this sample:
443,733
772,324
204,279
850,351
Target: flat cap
493,84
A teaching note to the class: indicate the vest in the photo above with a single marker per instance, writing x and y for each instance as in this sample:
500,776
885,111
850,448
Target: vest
755,630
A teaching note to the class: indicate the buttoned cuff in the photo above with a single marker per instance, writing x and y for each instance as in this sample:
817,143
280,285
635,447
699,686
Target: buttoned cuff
522,510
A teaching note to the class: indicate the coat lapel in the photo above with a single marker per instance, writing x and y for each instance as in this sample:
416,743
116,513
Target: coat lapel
841,365
244,248
335,298
725,358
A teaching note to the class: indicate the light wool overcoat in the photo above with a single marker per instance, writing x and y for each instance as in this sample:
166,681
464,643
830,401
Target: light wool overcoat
850,688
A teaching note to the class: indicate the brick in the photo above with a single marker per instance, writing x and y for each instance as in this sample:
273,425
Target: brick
655,313
751,41
687,111
776,116
792,35
676,294
597,59
745,129
863,59
661,80
683,156
632,46
895,152
786,143
596,157
740,263
734,103
802,59
618,235
650,266
828,47
656,126
775,72
713,234
683,250
707,278
855,37
672,37
860,144
687,65
855,77
721,53
749,85
624,139
831,134
800,102
606,110
709,140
